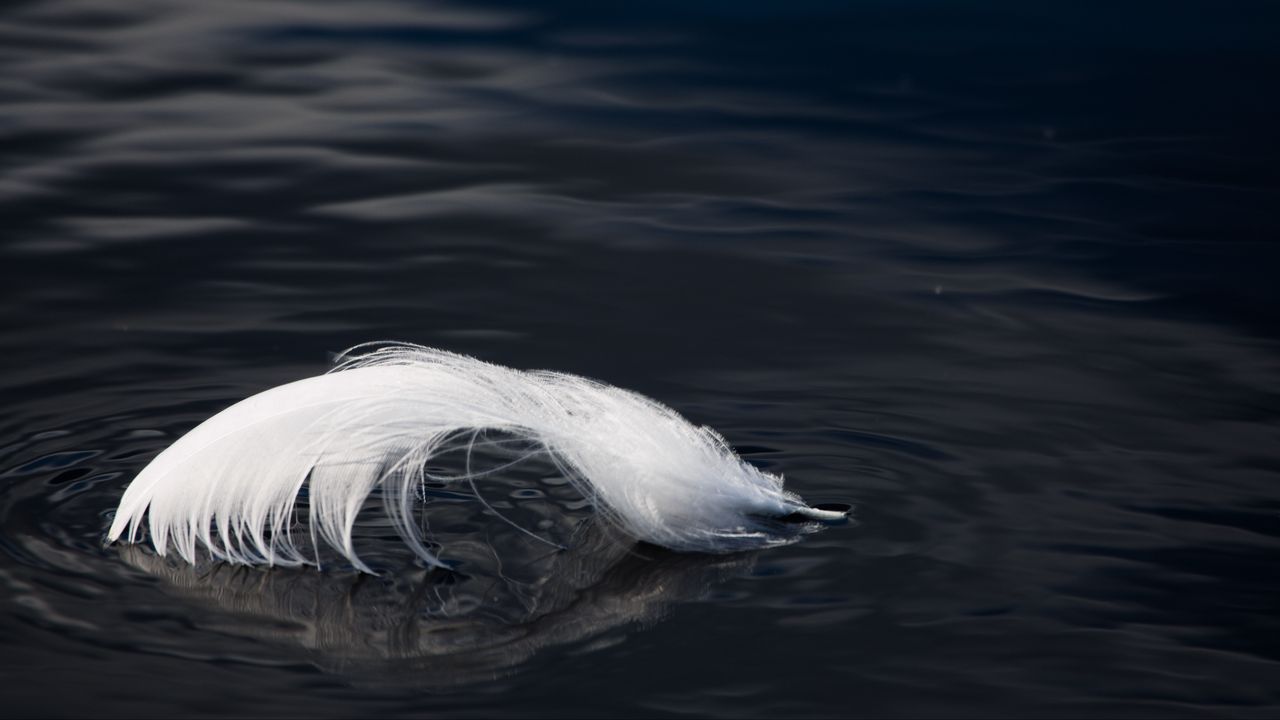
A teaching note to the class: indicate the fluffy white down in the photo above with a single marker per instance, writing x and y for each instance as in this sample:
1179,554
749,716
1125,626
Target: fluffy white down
230,485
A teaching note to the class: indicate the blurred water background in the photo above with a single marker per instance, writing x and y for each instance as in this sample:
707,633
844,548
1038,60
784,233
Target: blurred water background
1002,274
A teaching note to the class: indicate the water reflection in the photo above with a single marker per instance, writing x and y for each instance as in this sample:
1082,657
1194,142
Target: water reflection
440,629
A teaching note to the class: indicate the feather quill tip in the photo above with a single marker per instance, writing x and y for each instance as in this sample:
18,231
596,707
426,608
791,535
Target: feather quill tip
826,513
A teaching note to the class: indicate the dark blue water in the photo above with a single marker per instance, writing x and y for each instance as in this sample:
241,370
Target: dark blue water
1001,274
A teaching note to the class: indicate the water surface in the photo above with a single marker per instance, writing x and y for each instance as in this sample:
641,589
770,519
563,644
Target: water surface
1003,277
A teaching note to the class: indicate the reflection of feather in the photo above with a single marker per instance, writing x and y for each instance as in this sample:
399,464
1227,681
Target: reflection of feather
445,630
231,484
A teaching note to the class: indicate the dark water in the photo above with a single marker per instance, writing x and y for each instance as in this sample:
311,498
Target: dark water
1001,274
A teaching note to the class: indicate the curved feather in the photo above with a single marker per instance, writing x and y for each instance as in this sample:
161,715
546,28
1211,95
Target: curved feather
231,485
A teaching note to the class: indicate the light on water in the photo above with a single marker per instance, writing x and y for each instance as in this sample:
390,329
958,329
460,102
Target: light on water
1000,277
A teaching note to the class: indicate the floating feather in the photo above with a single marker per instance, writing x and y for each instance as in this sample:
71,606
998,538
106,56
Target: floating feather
232,485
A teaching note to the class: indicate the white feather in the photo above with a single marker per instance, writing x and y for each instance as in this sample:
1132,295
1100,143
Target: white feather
230,485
